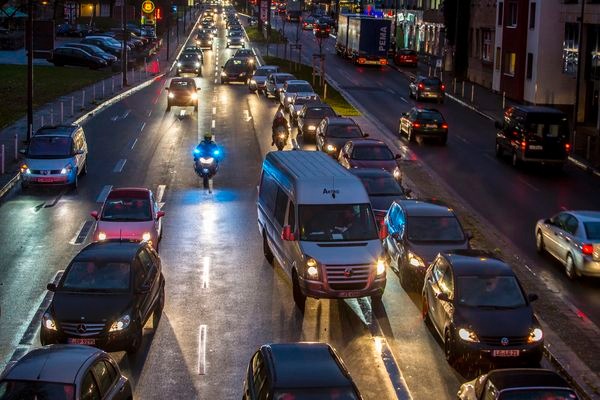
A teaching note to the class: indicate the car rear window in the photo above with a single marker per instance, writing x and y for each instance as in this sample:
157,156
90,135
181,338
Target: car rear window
434,229
592,230
299,87
181,85
35,390
189,57
381,186
96,276
126,210
319,112
432,82
430,116
548,126
407,52
263,71
344,131
283,78
325,393
538,394
375,153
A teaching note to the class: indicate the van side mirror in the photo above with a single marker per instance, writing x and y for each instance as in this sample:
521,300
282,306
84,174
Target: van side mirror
51,287
469,235
532,297
498,124
94,215
287,234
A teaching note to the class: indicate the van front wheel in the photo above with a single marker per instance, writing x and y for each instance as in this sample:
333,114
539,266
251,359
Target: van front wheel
266,249
299,297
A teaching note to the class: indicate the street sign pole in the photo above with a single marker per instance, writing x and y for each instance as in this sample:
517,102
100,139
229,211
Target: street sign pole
29,37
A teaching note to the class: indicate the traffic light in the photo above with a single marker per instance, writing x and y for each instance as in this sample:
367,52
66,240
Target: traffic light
174,8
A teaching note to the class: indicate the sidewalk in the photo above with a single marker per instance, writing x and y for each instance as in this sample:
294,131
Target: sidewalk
586,143
72,106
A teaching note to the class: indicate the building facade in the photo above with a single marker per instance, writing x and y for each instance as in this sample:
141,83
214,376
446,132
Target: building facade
420,26
482,34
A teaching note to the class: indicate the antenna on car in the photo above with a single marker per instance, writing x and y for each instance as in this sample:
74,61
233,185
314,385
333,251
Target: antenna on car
333,187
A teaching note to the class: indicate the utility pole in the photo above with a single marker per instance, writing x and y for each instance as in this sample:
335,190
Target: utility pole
578,78
124,43
29,37
169,16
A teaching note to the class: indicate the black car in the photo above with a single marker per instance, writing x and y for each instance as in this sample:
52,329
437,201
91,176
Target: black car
182,92
236,70
424,123
93,50
517,383
204,41
310,116
76,30
333,132
62,56
197,50
105,297
189,62
476,304
106,43
65,372
533,134
427,87
247,54
298,371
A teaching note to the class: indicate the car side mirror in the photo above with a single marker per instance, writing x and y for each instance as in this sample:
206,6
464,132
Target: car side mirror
365,135
498,124
548,221
397,156
532,297
51,287
160,214
23,151
407,192
469,235
94,215
346,156
405,114
442,296
287,234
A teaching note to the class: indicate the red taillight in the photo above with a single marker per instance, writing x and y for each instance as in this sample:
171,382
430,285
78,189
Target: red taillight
383,231
523,145
383,61
362,60
416,125
443,87
445,126
421,86
587,249
567,147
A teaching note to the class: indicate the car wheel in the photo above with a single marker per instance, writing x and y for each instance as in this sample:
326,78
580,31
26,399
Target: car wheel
168,107
266,249
539,242
499,151
425,311
75,183
570,269
136,340
84,170
515,160
158,309
410,136
299,297
449,350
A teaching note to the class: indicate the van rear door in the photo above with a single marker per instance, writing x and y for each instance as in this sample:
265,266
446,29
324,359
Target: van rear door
547,136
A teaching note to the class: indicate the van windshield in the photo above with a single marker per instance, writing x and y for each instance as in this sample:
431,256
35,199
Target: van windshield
339,222
49,147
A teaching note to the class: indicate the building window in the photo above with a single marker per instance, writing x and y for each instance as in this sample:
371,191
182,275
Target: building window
509,63
570,48
486,45
532,15
529,65
512,14
498,53
500,13
594,54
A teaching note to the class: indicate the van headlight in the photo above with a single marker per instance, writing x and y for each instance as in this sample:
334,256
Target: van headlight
312,269
535,335
178,64
48,322
311,127
120,324
380,267
415,261
171,95
197,65
467,335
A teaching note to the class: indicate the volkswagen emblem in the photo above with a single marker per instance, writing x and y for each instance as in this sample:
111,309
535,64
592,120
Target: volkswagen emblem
504,341
348,272
45,172
81,328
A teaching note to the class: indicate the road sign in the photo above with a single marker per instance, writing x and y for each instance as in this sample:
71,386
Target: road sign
148,7
438,63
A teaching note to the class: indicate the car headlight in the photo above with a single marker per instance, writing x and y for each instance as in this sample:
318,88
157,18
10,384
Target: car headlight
67,169
223,73
535,335
467,335
120,324
48,322
312,269
197,65
194,96
171,95
178,64
208,160
25,169
242,74
397,174
330,148
380,266
146,236
311,127
252,82
414,260
101,236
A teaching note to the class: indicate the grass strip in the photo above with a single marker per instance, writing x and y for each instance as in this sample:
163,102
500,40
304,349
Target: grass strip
49,83
334,98
255,35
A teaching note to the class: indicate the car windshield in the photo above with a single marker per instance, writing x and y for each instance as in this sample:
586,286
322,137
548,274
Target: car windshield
50,147
434,229
235,66
592,230
283,78
330,393
381,186
94,276
376,153
126,209
432,82
319,113
538,394
344,131
489,291
299,87
35,390
430,116
330,223
263,72
188,57
181,85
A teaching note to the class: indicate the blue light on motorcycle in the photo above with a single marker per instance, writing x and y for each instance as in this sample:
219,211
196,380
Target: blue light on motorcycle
196,151
216,152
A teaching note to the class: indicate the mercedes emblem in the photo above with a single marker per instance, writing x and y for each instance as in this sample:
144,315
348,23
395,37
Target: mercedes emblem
504,341
81,328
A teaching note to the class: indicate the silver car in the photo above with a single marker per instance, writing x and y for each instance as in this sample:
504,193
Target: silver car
65,372
293,88
275,83
259,78
573,237
298,101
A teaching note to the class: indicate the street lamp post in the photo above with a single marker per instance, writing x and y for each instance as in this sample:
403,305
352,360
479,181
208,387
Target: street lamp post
124,43
29,38
578,78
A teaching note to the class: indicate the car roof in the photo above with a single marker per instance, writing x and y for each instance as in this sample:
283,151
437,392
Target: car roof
537,109
110,250
128,192
425,208
54,363
525,377
340,121
477,262
298,365
371,173
586,215
367,142
57,130
296,81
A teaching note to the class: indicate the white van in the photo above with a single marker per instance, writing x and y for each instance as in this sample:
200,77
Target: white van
316,220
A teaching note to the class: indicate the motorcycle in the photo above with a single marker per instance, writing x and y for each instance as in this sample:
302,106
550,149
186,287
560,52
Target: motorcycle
281,137
206,166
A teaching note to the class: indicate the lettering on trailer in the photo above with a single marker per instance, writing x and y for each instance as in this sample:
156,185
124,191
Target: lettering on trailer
383,38
332,192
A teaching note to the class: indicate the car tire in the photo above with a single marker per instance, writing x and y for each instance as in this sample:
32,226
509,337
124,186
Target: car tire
410,136
266,249
136,340
539,242
425,311
158,309
75,183
299,297
449,351
399,128
499,150
168,107
570,269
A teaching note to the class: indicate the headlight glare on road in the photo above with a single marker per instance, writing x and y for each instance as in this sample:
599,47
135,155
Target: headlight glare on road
171,95
48,322
414,260
146,236
380,266
120,324
101,236
330,148
468,335
535,335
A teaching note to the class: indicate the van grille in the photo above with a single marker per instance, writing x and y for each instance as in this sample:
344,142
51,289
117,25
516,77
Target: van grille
75,328
348,277
50,171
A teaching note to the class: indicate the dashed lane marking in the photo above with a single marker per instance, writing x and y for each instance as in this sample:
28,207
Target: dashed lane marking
103,194
82,233
142,127
134,141
212,124
214,110
528,184
202,339
205,272
119,166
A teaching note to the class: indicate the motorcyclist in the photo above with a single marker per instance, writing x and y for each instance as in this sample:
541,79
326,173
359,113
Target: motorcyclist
207,148
278,121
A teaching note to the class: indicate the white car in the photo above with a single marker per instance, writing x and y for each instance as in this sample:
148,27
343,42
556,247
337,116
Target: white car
293,88
275,83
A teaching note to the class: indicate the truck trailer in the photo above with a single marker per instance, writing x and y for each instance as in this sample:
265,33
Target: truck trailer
363,39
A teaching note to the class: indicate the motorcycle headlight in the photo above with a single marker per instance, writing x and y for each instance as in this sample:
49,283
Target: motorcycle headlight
380,266
146,237
208,160
194,96
535,335
48,322
223,73
414,260
282,135
120,324
101,236
467,335
178,64
330,148
171,95
311,127
312,269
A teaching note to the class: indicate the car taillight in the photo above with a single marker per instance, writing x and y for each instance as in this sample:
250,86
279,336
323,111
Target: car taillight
587,249
445,126
416,125
443,87
421,86
523,145
567,147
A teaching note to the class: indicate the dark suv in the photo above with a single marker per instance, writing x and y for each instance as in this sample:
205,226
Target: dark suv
105,297
533,134
424,87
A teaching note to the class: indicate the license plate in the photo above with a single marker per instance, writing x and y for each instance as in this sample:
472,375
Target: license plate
350,294
88,342
431,126
505,353
536,147
46,180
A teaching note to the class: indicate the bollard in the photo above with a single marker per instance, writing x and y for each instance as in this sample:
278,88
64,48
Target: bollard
472,92
72,106
462,93
454,86
52,116
325,91
83,99
429,73
2,159
503,100
16,147
62,112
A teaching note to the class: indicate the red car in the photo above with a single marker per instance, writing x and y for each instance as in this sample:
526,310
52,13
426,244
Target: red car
370,153
406,57
129,213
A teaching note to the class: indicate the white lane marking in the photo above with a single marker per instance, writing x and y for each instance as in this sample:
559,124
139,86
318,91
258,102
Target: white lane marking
142,127
489,156
202,350
103,194
133,145
528,184
462,138
149,113
212,124
403,99
216,81
125,114
82,232
119,165
160,191
214,110
205,272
